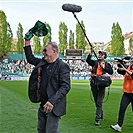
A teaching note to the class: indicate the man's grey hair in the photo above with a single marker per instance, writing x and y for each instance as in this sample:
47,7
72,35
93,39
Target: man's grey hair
54,46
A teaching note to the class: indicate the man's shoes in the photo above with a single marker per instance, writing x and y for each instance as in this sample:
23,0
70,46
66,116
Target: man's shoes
116,127
97,123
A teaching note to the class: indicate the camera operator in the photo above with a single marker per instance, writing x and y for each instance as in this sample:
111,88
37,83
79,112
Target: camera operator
127,97
99,68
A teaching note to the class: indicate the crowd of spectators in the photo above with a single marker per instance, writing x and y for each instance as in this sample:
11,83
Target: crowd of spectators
78,67
15,67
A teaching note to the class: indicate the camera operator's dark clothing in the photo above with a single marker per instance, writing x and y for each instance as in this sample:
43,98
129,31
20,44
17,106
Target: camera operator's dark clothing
127,96
124,72
126,99
98,92
108,69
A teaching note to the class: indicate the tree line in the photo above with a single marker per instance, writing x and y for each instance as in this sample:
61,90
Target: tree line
75,41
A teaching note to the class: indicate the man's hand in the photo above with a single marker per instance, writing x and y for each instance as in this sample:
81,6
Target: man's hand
48,107
28,35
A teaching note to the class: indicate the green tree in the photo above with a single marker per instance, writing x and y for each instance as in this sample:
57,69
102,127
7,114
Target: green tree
37,45
48,37
20,42
62,37
3,33
14,46
131,45
80,37
117,44
9,38
6,35
71,40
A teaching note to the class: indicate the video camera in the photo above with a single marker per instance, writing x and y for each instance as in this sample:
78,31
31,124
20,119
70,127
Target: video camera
122,61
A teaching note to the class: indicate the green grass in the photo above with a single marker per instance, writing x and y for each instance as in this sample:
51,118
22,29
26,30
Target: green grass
19,115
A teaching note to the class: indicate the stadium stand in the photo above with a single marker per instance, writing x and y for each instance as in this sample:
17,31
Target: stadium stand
20,68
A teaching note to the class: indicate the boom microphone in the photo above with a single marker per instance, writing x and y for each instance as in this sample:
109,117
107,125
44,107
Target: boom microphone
71,8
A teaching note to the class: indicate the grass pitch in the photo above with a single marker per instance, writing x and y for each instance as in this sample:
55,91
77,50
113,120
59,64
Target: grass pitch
19,115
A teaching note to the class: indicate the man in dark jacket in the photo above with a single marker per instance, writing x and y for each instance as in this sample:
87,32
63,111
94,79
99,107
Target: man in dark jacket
99,68
54,86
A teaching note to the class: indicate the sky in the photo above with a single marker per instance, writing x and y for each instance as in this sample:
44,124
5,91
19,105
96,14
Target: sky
98,16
